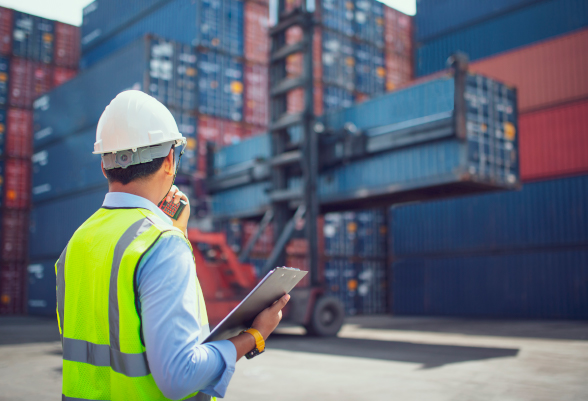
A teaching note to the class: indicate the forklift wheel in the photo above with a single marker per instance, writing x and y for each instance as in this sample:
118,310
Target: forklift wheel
327,317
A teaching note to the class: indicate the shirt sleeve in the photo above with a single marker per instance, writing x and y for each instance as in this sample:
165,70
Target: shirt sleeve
171,329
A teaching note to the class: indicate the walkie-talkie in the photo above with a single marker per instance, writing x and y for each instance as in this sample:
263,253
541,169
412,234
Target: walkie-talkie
173,210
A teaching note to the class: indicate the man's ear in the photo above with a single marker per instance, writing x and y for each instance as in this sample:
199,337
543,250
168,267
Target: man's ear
102,167
168,163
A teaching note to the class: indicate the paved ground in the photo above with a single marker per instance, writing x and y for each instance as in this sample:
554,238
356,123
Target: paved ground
374,358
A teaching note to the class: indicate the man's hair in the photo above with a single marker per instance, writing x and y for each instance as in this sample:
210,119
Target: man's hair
134,172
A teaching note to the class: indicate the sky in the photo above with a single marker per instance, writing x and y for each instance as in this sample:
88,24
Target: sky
70,11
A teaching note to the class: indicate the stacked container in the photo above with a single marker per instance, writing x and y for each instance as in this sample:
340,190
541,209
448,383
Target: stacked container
517,254
361,49
36,55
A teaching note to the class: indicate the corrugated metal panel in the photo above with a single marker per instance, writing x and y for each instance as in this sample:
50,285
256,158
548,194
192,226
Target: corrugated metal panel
2,133
67,45
53,175
54,222
18,133
436,17
102,18
398,32
242,200
214,24
17,183
33,37
257,147
550,213
369,21
546,73
372,287
28,80
4,80
341,282
536,284
12,288
554,142
540,21
155,72
41,288
256,94
14,235
338,60
337,15
188,124
62,75
256,32
216,130
370,69
2,176
6,15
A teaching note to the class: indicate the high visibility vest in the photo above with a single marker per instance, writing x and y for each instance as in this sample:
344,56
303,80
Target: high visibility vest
104,354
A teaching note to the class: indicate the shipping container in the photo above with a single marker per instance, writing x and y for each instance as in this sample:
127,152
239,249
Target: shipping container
33,37
220,86
369,21
13,288
4,80
41,299
398,70
338,60
370,70
545,74
257,147
398,32
54,222
543,214
163,69
256,108
249,200
67,45
537,284
540,21
372,287
28,80
2,180
213,24
62,75
187,124
18,133
486,158
341,282
6,31
3,133
256,34
326,98
102,18
337,15
17,183
554,142
14,235
218,131
265,242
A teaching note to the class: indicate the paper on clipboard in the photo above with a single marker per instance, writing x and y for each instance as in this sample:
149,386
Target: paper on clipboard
272,287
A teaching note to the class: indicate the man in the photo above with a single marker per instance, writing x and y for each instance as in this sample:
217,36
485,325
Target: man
130,308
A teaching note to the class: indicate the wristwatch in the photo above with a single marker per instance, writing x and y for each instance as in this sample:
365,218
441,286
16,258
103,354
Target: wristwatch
259,343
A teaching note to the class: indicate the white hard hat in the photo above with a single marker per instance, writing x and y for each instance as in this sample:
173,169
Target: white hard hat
134,120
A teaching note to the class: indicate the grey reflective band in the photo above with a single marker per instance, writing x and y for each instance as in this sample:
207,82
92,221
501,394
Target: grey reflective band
61,288
65,398
130,365
136,229
200,397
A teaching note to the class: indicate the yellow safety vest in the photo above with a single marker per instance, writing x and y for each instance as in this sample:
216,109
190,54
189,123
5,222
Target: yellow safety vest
103,351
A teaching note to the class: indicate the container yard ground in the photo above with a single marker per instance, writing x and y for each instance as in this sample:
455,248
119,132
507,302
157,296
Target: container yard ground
375,358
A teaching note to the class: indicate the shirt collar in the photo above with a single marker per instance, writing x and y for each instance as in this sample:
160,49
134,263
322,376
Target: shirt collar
126,200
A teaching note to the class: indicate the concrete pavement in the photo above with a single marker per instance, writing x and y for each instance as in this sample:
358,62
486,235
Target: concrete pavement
374,358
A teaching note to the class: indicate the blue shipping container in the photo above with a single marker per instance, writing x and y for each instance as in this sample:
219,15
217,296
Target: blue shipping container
550,284
214,24
543,214
435,18
187,125
361,234
372,287
256,147
41,288
54,222
341,282
33,37
102,18
338,15
1,182
370,70
220,85
539,21
335,98
163,69
369,21
338,60
4,80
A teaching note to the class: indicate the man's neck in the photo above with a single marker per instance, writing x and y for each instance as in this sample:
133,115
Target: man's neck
140,189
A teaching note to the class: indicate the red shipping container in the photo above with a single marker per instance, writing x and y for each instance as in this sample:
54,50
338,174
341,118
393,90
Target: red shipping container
397,32
545,74
296,100
256,94
14,235
398,70
5,31
62,75
256,32
554,142
221,132
17,183
67,45
264,244
28,80
13,282
19,133
253,130
294,62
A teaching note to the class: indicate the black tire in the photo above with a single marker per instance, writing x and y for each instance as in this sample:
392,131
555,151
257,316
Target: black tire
327,317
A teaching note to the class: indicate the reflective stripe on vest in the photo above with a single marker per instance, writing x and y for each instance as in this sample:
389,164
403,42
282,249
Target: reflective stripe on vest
143,229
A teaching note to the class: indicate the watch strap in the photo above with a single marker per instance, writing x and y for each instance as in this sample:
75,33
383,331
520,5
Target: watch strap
259,343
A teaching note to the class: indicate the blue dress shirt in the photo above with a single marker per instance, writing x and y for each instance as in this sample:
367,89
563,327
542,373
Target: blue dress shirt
166,280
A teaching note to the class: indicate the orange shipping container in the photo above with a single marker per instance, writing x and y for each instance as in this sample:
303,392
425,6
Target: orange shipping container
545,74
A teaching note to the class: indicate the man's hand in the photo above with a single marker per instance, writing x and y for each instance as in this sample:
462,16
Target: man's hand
267,321
182,222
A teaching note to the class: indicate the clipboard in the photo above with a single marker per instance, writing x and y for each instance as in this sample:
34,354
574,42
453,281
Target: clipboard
273,286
